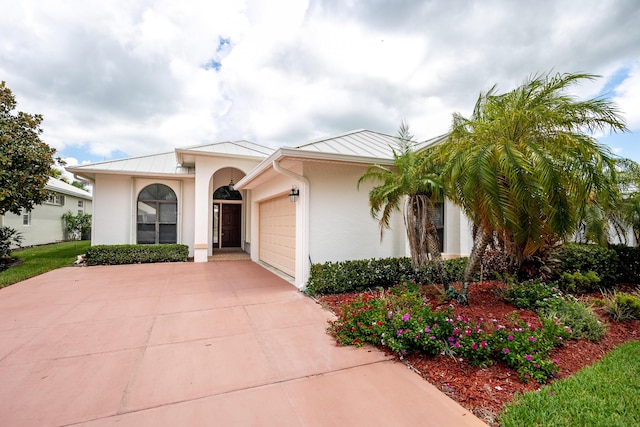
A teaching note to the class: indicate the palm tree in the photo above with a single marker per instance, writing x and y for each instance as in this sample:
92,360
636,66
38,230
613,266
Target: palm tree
524,166
406,185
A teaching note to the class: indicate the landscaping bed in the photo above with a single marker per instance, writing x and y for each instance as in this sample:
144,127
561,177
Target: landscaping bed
485,390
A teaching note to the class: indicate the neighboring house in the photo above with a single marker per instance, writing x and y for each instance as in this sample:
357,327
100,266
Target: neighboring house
287,208
43,224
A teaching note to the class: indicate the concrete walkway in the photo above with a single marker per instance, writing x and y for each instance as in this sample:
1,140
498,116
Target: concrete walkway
211,344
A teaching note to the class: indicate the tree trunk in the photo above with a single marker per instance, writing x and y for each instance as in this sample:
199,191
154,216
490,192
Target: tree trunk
423,236
479,245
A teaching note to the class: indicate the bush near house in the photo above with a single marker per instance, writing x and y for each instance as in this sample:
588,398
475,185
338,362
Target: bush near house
135,254
629,263
602,261
358,275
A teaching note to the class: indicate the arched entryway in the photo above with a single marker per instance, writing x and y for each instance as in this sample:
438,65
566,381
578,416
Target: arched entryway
227,218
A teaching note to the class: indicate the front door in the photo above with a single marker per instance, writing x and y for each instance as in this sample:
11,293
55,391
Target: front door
231,225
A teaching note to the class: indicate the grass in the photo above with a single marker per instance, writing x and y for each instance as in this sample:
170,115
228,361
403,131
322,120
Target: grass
604,394
40,259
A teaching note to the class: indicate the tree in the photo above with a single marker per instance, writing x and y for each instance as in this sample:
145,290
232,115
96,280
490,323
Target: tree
76,226
407,185
524,167
25,161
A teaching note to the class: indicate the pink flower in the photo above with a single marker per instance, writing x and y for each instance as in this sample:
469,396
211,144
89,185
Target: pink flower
457,345
474,346
406,317
510,338
483,344
505,350
427,329
532,339
528,357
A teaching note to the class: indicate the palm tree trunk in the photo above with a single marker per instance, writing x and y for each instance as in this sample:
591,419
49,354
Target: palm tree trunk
423,236
479,245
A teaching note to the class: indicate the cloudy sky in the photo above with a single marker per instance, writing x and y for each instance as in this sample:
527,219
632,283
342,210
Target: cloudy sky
123,78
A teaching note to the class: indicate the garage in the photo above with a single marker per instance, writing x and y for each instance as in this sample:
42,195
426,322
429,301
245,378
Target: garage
278,234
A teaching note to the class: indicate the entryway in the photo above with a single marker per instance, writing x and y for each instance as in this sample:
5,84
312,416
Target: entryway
227,225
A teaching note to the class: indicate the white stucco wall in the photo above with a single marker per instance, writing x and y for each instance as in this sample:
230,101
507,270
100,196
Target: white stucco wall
340,224
46,221
111,210
458,240
115,208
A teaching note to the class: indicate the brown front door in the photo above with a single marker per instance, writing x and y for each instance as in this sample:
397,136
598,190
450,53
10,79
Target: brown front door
231,225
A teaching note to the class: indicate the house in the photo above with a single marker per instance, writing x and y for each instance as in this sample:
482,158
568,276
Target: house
44,224
288,207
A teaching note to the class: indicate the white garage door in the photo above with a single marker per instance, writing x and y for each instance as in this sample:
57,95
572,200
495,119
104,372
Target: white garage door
278,234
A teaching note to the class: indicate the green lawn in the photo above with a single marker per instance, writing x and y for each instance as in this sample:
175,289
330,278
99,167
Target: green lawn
604,394
40,259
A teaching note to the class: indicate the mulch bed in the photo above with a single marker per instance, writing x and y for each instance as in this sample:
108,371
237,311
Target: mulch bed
484,391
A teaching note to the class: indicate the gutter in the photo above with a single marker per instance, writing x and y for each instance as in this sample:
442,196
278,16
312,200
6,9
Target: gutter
287,172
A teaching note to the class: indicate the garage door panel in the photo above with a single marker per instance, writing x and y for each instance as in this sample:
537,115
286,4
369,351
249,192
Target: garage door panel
278,234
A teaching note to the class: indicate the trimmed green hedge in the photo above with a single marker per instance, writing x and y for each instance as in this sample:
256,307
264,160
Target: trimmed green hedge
587,257
358,275
628,263
135,254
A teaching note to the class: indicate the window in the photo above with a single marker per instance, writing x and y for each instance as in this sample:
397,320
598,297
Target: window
439,220
26,217
56,199
81,203
225,193
157,215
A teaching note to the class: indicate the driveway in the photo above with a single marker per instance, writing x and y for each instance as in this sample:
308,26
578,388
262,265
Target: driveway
184,344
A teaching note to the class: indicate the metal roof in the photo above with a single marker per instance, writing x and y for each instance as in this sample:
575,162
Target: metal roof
62,187
361,146
358,143
164,163
365,143
233,148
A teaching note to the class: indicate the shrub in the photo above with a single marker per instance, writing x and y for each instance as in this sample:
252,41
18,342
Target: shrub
135,254
526,349
622,306
585,257
360,275
531,295
403,321
8,237
578,316
629,263
579,283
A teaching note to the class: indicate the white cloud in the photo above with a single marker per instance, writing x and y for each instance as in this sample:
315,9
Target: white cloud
628,97
138,77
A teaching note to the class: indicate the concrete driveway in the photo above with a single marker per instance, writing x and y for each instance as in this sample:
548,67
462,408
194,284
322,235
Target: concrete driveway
184,344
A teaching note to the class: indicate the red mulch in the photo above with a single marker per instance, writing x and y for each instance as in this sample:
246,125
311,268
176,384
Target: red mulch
484,391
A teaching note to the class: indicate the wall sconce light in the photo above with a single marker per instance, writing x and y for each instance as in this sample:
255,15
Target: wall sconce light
293,196
231,185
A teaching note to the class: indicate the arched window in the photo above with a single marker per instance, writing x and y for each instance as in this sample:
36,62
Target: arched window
157,215
225,193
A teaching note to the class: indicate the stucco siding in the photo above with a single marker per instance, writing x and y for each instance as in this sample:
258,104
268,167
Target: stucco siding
46,225
111,210
340,224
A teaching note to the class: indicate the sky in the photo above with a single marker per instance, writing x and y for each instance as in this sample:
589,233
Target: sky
123,78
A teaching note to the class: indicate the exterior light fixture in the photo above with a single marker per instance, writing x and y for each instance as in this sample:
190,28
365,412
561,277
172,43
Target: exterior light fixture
293,196
231,184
